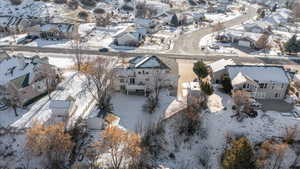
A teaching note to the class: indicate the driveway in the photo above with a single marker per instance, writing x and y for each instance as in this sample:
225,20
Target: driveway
276,105
186,74
189,43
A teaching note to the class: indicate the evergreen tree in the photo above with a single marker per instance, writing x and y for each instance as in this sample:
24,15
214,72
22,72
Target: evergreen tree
226,83
239,156
200,69
292,45
207,88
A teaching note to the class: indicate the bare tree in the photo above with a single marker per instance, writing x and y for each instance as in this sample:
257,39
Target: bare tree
123,147
242,103
77,45
99,74
154,86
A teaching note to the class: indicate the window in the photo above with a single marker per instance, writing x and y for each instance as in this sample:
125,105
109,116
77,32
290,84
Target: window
282,85
244,86
261,85
132,81
139,73
248,86
147,73
277,95
121,80
147,79
265,85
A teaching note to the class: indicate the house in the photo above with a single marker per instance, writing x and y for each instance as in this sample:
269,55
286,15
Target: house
128,37
218,69
54,31
62,109
262,82
297,79
279,18
246,39
140,74
13,24
258,27
27,78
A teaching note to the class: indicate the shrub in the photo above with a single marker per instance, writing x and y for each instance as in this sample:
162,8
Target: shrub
83,15
99,11
207,88
239,155
60,1
88,2
16,2
226,83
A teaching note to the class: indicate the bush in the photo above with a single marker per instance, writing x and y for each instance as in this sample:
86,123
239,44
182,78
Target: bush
207,88
60,1
99,11
90,3
16,2
83,15
150,105
226,83
239,155
73,4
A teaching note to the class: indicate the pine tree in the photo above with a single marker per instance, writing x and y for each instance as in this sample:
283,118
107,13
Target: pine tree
207,88
226,83
239,156
292,45
200,69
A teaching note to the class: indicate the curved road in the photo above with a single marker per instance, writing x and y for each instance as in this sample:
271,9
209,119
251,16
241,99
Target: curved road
189,43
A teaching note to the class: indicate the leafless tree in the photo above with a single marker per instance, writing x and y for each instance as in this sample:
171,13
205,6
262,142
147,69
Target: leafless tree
99,75
77,45
154,86
242,103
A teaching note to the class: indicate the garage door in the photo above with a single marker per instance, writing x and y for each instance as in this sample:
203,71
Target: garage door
244,43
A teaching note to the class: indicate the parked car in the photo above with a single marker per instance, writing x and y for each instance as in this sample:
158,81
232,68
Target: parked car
103,50
214,46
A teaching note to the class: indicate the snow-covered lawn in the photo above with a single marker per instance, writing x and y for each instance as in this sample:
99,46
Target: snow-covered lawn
130,109
218,123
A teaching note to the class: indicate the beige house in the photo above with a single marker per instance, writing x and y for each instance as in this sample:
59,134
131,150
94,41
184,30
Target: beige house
26,78
263,82
140,74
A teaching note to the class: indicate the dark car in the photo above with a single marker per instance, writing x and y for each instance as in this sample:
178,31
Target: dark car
103,50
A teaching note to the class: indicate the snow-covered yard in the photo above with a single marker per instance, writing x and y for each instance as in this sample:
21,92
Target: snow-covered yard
217,124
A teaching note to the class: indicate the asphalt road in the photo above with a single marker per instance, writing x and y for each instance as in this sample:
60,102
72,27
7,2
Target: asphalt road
189,43
238,59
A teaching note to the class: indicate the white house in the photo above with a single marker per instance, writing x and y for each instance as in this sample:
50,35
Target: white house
218,69
27,78
54,31
263,82
141,72
128,37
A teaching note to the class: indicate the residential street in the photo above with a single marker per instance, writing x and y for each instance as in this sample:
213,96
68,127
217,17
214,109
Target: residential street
189,43
280,60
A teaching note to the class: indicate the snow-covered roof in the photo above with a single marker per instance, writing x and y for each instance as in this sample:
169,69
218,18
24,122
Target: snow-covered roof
61,27
238,34
220,64
14,67
259,74
147,62
60,104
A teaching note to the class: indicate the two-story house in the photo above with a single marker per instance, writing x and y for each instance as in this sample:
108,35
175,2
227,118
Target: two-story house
26,78
142,73
263,82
